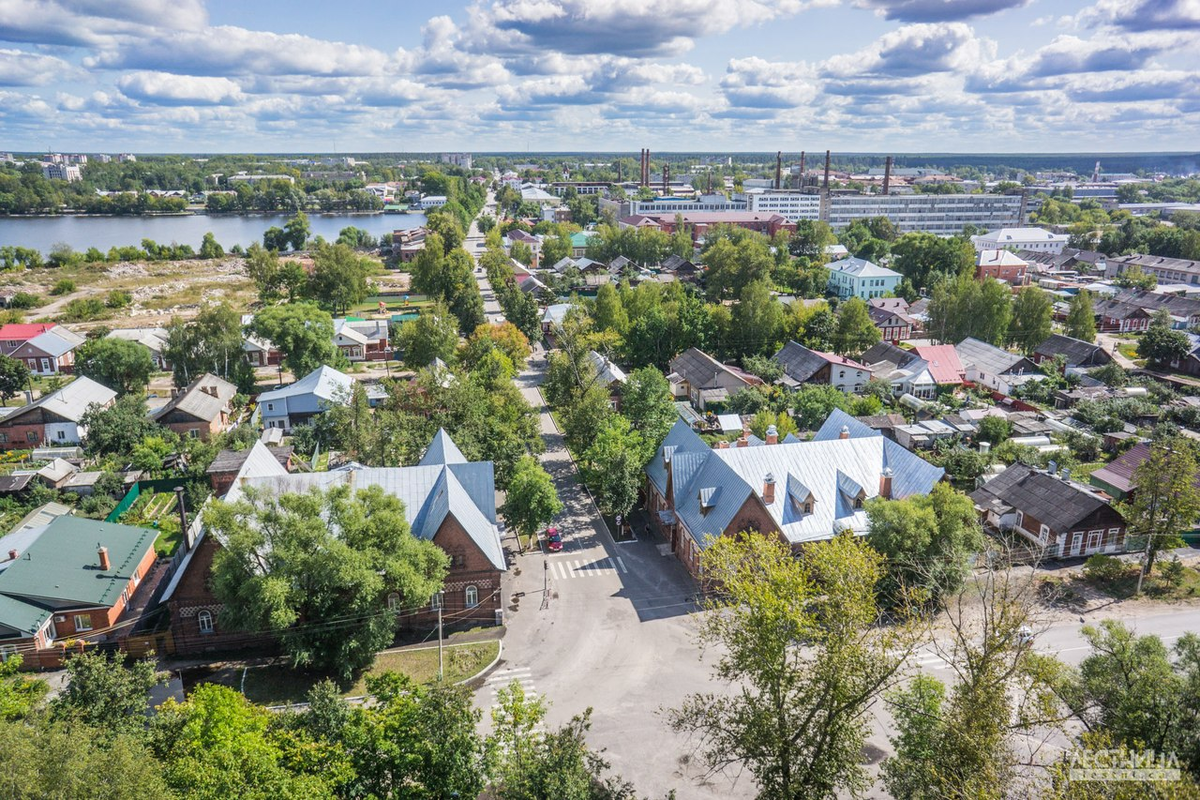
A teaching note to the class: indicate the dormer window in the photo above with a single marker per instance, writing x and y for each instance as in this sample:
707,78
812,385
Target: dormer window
808,507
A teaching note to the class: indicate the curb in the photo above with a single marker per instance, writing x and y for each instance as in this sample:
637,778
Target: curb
488,668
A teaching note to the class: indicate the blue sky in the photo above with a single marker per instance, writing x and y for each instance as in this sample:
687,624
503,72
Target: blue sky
717,75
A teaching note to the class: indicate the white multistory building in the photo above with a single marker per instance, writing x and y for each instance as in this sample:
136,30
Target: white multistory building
940,214
62,172
789,204
1038,240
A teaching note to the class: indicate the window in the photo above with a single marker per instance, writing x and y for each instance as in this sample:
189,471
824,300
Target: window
435,603
808,507
858,503
1093,540
7,651
3,438
270,406
83,622
1113,533
393,601
61,435
32,436
205,621
472,596
193,433
1043,532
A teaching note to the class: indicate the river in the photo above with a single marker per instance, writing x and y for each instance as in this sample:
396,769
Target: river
42,233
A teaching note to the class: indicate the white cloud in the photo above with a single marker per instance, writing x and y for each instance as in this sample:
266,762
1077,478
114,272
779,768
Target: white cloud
755,83
938,10
90,22
166,89
20,68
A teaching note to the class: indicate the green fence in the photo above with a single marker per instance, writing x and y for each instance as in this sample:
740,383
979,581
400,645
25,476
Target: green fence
126,502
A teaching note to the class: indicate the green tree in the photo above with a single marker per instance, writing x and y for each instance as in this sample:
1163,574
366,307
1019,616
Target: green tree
802,713
19,694
106,692
449,230
291,563
296,231
119,364
118,429
503,337
609,312
812,403
14,377
1160,344
209,342
1165,501
1081,319
612,466
965,307
994,429
303,333
757,321
855,332
926,259
647,402
1032,311
1133,277
929,542
531,501
911,773
210,248
339,277
434,334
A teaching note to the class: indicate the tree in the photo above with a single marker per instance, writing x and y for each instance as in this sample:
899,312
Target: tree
994,429
965,307
531,502
292,563
1032,311
210,248
296,231
106,692
1081,319
14,377
928,541
356,238
926,259
812,403
1164,500
764,420
1160,344
210,342
757,320
339,277
501,336
119,364
118,429
19,694
612,466
433,334
855,331
609,312
1132,277
303,333
801,714
647,402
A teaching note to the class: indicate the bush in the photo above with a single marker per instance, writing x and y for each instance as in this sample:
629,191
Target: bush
83,309
118,299
1102,568
64,286
1172,571
24,300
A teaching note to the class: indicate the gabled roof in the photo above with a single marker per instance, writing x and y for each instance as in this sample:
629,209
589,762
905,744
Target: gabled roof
1048,498
21,332
1118,473
700,369
204,398
54,342
989,358
607,372
999,258
70,402
832,427
799,362
861,268
154,339
442,450
1077,351
324,382
944,363
888,353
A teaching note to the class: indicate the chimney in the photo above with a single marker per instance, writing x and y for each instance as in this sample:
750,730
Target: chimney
209,390
1051,467
722,445
105,564
174,393
12,555
778,169
826,171
772,435
887,174
768,492
845,433
666,187
801,169
743,441
885,483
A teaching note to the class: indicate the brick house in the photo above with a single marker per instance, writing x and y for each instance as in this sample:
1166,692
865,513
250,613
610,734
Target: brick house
48,352
800,491
890,315
1003,265
1117,316
1056,516
447,500
361,340
1078,353
201,410
54,418
70,579
702,379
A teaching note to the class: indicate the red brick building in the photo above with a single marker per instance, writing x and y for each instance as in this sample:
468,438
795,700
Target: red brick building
1003,265
200,410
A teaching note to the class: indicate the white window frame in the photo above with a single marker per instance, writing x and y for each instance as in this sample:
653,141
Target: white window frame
86,618
205,622
1044,532
7,651
393,602
1020,519
471,596
1095,540
436,602
1111,540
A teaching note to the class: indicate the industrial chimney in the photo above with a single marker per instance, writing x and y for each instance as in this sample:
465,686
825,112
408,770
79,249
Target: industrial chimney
105,564
887,174
826,186
778,170
666,187
801,169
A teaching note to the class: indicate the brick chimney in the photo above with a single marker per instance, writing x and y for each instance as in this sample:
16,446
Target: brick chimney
743,441
12,555
768,492
105,564
209,389
722,445
885,484
845,434
772,435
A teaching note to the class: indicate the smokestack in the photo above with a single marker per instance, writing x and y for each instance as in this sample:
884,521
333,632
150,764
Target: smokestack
666,187
778,170
801,169
887,174
826,170
105,564
768,492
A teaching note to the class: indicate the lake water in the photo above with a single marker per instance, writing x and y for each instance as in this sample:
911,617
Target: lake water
42,233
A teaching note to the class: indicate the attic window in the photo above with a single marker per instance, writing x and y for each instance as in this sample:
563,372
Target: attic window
708,497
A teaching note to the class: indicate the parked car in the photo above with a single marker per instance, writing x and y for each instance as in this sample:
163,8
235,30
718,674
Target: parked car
553,540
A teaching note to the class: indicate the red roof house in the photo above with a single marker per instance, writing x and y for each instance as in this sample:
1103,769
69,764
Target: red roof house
944,364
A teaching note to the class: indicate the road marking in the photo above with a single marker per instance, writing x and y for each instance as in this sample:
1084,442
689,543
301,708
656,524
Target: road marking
621,564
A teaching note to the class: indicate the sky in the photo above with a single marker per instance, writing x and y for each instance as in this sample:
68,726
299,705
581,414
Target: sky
599,75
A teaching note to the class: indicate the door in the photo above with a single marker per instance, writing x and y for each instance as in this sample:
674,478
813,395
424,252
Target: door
1093,541
1076,543
45,365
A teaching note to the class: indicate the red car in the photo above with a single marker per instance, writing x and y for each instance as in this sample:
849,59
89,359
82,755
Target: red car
553,540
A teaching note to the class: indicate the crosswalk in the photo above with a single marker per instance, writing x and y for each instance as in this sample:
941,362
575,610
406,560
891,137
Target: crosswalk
927,660
568,568
502,679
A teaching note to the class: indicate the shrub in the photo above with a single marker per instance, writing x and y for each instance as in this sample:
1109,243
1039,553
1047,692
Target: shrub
83,309
118,299
64,286
1102,568
1172,571
24,300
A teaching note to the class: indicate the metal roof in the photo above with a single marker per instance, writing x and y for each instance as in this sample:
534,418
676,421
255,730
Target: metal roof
442,450
1048,498
988,358
1077,351
196,400
72,401
799,362
607,372
831,428
944,363
861,268
323,382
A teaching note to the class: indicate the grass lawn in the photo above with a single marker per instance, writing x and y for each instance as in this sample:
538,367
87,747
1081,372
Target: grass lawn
272,686
168,541
1128,349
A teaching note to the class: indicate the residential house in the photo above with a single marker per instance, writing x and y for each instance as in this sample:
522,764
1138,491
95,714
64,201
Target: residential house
72,578
294,405
200,410
801,492
1166,270
610,376
890,315
1116,316
1057,517
55,417
857,277
997,369
153,339
905,370
50,352
361,339
1116,477
259,352
945,367
579,243
1184,311
1078,353
680,267
1003,265
447,500
553,318
702,379
1035,239
534,243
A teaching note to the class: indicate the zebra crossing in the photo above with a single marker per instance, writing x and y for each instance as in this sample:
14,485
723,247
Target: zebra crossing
928,660
502,679
568,568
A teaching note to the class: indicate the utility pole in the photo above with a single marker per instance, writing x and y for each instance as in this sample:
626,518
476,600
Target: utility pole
441,662
545,584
